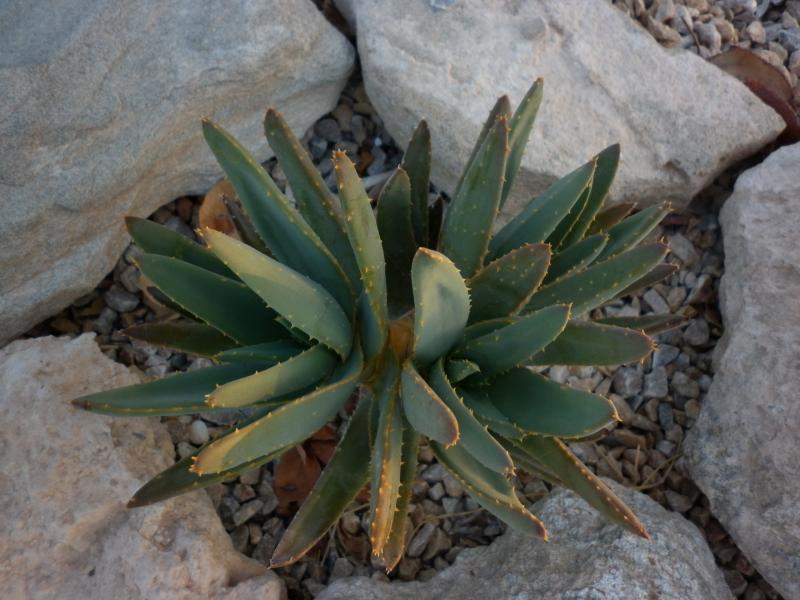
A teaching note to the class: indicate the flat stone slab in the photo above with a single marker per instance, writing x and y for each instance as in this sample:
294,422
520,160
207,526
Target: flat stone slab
66,476
586,557
680,120
100,118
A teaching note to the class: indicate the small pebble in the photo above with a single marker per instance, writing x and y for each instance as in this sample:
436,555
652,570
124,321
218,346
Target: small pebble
198,433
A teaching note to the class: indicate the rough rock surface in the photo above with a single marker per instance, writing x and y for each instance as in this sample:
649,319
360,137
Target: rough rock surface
680,121
101,101
64,480
743,450
586,557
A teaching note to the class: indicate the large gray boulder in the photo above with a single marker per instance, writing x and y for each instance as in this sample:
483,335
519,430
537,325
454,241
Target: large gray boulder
65,476
680,120
100,102
586,557
743,451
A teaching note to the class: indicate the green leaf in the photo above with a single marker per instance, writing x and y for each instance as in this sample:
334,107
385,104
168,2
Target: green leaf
540,218
501,108
425,410
179,479
631,231
478,401
594,345
223,303
459,369
244,226
395,545
394,224
287,425
520,125
558,239
157,239
417,163
604,173
387,457
365,240
609,217
649,324
441,301
492,491
296,373
268,354
575,257
301,301
343,478
192,338
313,199
557,457
516,343
473,435
291,240
469,218
504,286
180,394
601,282
539,405
658,273
486,327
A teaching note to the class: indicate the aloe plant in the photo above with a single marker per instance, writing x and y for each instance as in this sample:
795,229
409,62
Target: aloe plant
330,296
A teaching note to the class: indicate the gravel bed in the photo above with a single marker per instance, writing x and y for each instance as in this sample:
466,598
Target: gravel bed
769,28
658,399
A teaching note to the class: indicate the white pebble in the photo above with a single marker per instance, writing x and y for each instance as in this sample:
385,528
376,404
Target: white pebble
198,433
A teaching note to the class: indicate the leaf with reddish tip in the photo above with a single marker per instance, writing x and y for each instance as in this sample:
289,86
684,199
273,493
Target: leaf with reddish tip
395,545
573,474
491,490
387,457
601,282
594,345
649,324
287,425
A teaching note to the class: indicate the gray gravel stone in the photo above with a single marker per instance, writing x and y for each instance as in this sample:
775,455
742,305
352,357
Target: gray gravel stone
697,333
628,381
656,384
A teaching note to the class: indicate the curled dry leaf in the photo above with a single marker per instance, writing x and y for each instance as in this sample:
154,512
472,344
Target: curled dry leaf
213,212
765,81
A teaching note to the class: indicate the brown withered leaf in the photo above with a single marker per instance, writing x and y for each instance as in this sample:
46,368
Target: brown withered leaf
295,475
214,214
767,82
